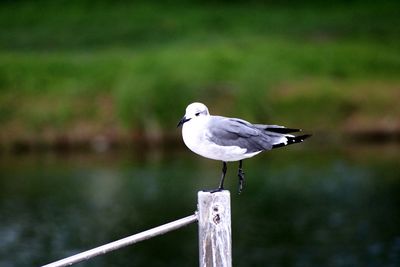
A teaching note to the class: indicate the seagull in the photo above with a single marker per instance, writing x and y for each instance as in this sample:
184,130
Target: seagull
231,139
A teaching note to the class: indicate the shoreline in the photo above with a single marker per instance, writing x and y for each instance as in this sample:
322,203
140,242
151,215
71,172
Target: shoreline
103,143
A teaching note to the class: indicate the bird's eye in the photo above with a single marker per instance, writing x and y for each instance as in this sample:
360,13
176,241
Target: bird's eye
197,114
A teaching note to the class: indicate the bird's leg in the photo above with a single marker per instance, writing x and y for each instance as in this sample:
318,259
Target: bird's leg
221,183
241,177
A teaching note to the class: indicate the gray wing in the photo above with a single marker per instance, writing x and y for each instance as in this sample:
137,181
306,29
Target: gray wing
236,132
276,128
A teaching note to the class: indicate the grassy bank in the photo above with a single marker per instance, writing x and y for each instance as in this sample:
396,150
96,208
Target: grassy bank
81,70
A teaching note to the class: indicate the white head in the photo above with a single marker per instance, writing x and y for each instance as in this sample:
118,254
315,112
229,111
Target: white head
194,111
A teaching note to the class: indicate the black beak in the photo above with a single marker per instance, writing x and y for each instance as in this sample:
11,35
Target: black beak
182,121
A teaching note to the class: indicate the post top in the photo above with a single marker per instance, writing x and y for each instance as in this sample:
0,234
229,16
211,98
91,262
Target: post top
217,193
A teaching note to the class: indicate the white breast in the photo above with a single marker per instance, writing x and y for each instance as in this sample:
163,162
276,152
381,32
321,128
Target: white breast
195,137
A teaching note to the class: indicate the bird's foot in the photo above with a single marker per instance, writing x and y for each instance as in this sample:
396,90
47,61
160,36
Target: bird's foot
212,191
241,180
219,189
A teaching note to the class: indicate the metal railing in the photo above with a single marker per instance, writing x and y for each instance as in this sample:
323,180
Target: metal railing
214,220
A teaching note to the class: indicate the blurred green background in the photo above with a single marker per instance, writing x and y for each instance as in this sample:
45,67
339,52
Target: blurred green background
91,92
73,70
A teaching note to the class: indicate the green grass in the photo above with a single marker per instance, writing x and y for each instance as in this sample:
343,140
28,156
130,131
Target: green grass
49,25
137,66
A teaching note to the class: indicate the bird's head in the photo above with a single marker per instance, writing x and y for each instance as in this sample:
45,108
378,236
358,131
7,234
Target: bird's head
194,111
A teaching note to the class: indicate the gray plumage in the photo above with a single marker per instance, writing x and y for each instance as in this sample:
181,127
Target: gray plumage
237,132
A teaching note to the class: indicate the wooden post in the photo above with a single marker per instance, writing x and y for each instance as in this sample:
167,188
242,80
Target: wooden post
214,215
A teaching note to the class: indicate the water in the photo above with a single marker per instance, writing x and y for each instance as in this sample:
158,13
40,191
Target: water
302,206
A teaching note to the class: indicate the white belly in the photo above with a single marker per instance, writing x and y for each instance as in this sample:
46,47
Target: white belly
195,138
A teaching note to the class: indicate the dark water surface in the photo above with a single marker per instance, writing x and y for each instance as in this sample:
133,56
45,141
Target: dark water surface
301,207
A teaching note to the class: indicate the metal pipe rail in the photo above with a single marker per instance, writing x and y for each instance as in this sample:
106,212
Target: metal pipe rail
214,217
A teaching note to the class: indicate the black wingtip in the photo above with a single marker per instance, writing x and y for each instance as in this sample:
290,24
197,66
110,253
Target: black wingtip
293,140
297,139
282,130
